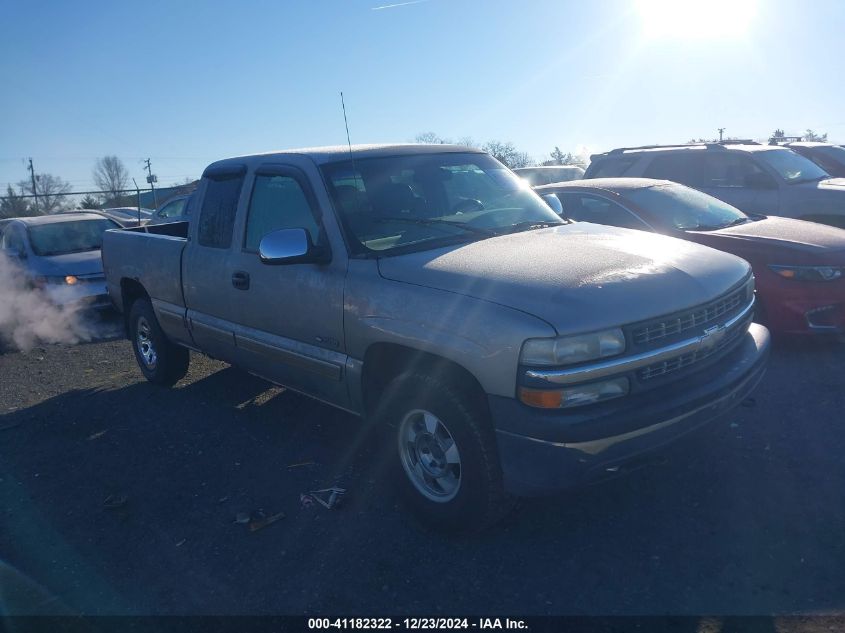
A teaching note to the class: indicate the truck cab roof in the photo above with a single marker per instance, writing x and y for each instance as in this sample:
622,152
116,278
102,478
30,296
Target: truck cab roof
336,153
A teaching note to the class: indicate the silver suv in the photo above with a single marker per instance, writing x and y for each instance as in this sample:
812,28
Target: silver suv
755,178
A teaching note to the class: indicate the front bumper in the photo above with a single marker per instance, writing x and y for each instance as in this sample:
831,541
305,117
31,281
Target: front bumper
544,451
81,296
804,308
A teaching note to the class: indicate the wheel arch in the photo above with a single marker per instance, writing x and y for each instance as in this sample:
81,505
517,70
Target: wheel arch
384,361
130,291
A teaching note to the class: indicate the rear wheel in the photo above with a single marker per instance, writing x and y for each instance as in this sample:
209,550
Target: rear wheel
446,462
161,361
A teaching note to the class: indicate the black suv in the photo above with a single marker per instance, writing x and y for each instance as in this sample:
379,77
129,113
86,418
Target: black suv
756,178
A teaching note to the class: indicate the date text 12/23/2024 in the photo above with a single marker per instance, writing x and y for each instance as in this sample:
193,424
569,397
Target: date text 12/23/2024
415,624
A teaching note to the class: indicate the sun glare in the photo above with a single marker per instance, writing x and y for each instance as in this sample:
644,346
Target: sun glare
700,19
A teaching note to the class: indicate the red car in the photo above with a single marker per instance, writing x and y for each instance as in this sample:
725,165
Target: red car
799,266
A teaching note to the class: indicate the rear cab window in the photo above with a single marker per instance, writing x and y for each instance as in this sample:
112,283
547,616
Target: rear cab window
220,206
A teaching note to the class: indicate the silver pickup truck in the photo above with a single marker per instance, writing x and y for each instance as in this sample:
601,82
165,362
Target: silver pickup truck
427,289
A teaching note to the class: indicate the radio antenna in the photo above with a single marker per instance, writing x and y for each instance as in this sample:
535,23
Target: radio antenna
349,145
346,123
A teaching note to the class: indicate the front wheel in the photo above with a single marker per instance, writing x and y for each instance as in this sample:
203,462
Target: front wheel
161,361
445,456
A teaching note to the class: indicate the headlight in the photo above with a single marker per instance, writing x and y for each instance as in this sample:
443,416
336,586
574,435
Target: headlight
67,279
809,273
566,350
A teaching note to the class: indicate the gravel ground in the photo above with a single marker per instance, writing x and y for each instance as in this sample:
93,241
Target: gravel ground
744,518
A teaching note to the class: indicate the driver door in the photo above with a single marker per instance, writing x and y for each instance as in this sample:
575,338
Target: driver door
290,325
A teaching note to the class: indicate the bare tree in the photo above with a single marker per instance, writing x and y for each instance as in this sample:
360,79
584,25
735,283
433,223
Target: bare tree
558,157
431,138
809,135
111,175
51,191
503,152
506,153
13,205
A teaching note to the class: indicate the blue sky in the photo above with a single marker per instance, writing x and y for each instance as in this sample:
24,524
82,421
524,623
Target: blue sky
186,83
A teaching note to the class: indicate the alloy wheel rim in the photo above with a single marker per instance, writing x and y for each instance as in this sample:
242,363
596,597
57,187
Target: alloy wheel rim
145,345
430,455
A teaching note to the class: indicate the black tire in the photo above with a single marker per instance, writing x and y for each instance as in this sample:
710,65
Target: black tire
168,362
479,500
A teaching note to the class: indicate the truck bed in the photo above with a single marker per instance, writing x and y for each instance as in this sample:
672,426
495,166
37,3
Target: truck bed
151,256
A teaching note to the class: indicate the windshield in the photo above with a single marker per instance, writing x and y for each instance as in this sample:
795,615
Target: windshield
677,207
421,201
59,238
792,167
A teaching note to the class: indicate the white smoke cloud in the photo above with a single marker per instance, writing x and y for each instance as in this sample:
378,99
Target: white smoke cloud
28,317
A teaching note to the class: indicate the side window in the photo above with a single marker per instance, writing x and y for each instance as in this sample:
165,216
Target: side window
598,210
278,202
217,216
729,170
611,167
172,209
687,168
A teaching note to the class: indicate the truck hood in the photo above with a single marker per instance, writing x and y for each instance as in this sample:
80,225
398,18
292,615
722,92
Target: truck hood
577,277
777,238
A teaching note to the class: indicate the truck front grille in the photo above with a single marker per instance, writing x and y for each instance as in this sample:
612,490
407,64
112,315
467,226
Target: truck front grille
699,317
728,340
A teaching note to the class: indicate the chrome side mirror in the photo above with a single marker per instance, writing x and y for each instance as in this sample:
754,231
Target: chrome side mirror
286,246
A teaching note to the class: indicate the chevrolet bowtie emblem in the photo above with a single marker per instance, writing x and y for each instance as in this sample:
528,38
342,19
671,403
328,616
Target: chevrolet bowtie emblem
711,337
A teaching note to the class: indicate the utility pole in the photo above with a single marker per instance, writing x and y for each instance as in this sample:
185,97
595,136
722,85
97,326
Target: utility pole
34,192
152,178
721,129
138,198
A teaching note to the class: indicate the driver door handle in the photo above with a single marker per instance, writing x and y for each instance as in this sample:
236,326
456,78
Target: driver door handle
240,280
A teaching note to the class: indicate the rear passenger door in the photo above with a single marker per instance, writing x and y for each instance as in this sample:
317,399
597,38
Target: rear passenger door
207,264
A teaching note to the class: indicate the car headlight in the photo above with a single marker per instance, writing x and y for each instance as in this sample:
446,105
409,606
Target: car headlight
566,350
69,280
809,273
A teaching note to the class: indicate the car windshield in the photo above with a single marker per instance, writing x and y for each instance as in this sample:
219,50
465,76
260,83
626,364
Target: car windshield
675,206
73,236
400,203
792,167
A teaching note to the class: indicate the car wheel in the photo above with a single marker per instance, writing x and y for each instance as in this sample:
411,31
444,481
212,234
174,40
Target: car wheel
446,462
161,361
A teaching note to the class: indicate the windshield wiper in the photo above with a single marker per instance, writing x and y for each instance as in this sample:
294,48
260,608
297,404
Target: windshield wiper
530,225
435,221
